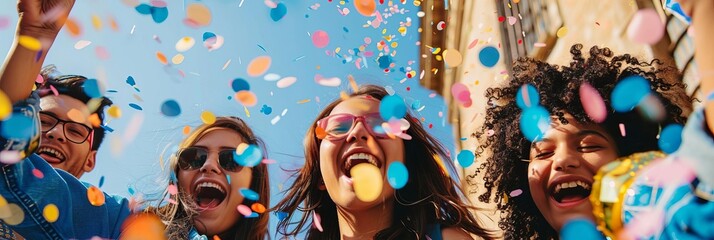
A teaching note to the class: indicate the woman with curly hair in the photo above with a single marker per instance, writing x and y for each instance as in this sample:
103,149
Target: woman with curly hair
555,171
349,133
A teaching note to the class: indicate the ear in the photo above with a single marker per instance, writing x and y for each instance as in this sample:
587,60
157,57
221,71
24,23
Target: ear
89,163
321,185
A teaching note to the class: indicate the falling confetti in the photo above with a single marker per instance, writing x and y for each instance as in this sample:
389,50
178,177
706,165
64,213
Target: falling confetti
51,213
397,175
465,158
320,39
95,196
208,117
646,27
259,65
367,181
249,194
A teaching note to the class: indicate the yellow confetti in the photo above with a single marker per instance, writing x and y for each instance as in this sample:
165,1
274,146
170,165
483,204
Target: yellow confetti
30,43
452,57
247,113
4,208
394,44
5,106
177,59
96,22
208,117
441,164
16,215
304,101
114,111
95,196
51,213
241,148
367,181
353,83
562,32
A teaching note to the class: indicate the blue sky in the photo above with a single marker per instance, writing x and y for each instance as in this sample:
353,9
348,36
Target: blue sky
125,161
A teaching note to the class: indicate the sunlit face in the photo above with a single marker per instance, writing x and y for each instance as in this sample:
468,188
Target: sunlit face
55,148
562,166
360,145
216,197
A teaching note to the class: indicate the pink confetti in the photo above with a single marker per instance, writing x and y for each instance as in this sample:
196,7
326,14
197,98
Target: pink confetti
516,193
158,3
539,44
172,189
592,102
473,43
316,221
54,90
512,20
102,53
10,157
666,172
244,210
645,27
269,161
38,173
622,130
39,79
270,4
320,39
328,82
4,22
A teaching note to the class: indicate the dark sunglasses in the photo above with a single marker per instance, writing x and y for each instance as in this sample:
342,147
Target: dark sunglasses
193,158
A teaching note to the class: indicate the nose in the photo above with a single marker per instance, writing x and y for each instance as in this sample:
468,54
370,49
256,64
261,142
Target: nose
359,132
566,159
211,164
56,132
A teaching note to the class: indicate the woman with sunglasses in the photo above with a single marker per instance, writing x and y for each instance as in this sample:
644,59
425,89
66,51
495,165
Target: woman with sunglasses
212,184
350,134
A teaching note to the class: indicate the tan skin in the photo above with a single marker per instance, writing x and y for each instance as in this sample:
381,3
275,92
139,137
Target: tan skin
357,218
219,219
568,153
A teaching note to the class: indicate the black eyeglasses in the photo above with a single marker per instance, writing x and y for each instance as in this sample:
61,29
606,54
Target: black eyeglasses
193,158
73,131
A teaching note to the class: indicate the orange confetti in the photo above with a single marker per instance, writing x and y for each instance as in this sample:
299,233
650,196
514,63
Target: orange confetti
95,196
143,226
94,119
257,207
113,24
304,101
73,27
162,58
76,115
246,98
259,65
320,133
216,237
353,83
186,129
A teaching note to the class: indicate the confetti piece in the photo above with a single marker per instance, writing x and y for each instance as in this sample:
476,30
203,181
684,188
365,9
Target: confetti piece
251,156
392,107
623,133
170,108
5,106
516,193
365,7
37,173
184,44
73,27
134,106
96,22
10,157
397,175
534,123
539,44
259,65
441,25
81,44
31,43
226,64
162,58
452,58
278,12
465,158
303,101
18,126
246,98
4,22
143,226
240,84
629,92
208,117
275,120
489,56
671,138
249,194
328,82
593,103
512,20
367,181
197,15
320,39
91,88
527,96
316,221
562,31
258,208
50,212
16,215
95,196
645,27
266,109
101,181
177,59
286,82
580,228
244,210
271,77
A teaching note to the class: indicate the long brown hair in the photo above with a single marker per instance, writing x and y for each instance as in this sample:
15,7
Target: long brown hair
422,202
179,217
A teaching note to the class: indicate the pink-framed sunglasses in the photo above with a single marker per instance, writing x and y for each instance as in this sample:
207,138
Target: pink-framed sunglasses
338,126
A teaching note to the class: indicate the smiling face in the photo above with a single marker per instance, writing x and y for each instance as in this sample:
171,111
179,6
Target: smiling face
562,166
55,148
359,145
217,198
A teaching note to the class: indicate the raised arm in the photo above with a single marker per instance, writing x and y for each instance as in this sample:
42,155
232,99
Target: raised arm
38,20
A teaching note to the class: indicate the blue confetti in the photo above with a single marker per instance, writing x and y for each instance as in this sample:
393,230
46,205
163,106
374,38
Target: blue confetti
392,107
629,92
535,121
278,12
208,35
91,88
397,174
580,228
249,194
670,138
159,14
18,126
489,56
130,81
251,156
134,106
465,158
170,108
533,98
101,181
266,109
240,84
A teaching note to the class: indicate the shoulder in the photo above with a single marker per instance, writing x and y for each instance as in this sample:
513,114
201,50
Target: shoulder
454,233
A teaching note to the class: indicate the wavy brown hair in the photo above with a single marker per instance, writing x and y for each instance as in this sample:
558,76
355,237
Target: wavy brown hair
179,217
558,87
429,197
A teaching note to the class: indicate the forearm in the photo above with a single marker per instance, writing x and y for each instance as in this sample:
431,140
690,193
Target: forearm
703,24
22,65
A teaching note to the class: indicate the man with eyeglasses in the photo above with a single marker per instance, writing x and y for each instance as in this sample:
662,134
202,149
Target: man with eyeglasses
59,126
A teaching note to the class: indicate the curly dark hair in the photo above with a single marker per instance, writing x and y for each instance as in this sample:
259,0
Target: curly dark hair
558,87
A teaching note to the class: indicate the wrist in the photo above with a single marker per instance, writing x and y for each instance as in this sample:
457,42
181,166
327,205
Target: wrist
38,32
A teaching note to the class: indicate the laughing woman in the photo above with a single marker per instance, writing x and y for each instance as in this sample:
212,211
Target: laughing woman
209,183
347,134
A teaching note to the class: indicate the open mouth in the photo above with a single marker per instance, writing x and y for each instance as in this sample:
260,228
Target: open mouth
209,195
357,158
51,155
570,191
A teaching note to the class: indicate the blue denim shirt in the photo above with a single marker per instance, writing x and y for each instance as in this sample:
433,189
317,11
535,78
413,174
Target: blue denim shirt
78,219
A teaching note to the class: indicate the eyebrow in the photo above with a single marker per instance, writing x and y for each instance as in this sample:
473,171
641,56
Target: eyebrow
587,132
220,148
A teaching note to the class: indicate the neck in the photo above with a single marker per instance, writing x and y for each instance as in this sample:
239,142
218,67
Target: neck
364,223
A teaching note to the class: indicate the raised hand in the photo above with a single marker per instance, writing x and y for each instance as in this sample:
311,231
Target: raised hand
42,18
